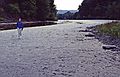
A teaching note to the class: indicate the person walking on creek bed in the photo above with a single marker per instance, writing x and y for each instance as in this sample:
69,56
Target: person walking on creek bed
19,28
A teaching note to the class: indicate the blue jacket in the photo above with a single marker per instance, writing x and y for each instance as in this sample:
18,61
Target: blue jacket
19,25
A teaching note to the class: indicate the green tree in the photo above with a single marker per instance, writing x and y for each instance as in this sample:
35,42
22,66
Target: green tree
28,9
42,9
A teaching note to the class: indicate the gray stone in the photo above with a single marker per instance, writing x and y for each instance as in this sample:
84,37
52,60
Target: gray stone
108,47
90,35
85,30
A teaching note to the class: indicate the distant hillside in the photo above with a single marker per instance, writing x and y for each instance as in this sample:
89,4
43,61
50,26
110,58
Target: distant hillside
99,9
66,15
64,11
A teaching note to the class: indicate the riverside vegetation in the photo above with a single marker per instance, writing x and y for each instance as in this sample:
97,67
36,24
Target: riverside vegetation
108,34
112,29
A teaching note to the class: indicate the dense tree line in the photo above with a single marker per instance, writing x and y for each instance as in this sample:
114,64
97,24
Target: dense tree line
102,9
27,9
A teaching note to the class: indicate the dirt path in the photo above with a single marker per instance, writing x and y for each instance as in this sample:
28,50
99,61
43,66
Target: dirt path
55,51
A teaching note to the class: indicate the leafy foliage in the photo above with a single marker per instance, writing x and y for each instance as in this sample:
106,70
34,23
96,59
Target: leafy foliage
103,9
110,29
28,9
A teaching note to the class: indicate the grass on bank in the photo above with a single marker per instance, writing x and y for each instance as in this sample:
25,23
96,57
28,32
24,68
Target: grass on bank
112,29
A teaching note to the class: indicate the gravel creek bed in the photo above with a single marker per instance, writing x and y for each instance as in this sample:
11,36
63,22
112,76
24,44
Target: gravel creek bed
56,51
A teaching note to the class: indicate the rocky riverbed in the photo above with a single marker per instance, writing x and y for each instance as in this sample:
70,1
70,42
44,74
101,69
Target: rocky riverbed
61,50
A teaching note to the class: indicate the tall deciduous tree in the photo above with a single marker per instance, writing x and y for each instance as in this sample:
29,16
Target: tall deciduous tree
42,9
29,9
107,9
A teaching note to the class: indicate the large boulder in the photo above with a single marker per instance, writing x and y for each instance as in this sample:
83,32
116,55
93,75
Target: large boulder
108,47
90,35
